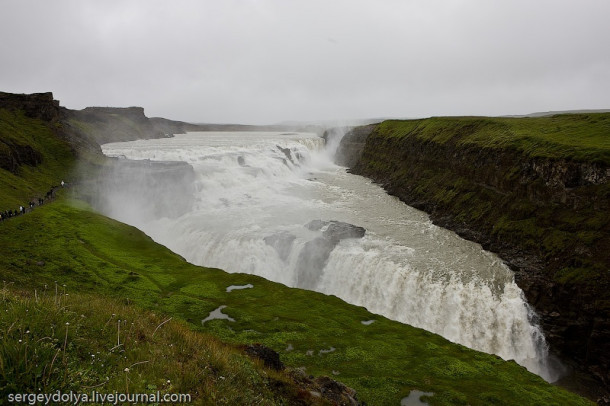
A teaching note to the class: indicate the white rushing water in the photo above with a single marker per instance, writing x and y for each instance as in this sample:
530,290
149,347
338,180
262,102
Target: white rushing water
249,198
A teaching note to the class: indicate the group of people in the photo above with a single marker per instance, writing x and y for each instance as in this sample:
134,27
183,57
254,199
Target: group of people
4,215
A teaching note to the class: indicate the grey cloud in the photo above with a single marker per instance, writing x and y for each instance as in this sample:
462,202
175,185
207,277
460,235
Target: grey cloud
270,60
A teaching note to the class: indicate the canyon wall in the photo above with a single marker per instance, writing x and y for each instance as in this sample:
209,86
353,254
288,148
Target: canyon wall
543,207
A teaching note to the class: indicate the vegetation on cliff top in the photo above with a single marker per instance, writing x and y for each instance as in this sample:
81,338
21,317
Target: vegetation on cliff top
508,208
581,137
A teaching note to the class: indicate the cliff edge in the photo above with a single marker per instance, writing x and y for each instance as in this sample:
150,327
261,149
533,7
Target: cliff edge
534,190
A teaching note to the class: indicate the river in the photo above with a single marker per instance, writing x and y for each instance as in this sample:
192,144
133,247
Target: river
245,207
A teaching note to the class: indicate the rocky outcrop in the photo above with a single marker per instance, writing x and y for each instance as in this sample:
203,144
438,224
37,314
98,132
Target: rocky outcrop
312,389
13,155
326,388
547,218
37,105
352,145
270,358
15,152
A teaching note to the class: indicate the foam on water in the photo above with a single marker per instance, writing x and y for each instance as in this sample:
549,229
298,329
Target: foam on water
249,186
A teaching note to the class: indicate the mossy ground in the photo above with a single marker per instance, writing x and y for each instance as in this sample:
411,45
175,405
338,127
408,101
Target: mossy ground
52,340
581,137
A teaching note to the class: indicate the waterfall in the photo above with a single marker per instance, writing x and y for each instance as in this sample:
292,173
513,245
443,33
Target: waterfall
275,205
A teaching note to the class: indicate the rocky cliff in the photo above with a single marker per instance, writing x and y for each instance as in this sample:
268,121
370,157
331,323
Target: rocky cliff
541,201
15,152
36,105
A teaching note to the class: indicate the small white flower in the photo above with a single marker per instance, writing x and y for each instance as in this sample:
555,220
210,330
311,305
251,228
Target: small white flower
126,370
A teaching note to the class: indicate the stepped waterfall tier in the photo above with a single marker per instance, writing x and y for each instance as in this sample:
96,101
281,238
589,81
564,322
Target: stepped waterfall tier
275,205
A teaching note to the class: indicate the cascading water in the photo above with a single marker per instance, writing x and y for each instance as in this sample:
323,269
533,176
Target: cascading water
275,205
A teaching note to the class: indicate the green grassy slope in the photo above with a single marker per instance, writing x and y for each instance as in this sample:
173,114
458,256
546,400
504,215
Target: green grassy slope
72,245
581,137
31,182
83,342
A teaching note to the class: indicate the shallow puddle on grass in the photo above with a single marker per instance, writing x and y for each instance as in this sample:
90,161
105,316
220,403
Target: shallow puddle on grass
414,398
367,322
217,315
239,287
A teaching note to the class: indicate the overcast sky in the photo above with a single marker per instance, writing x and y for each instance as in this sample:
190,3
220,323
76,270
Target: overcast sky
267,61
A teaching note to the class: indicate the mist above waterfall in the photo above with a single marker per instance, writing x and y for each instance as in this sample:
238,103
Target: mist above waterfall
275,205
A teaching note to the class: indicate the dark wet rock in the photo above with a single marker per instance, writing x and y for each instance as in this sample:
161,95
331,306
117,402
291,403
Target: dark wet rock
270,358
338,230
327,388
281,242
351,147
287,152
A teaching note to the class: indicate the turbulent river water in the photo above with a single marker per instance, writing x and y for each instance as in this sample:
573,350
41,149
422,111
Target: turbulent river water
244,205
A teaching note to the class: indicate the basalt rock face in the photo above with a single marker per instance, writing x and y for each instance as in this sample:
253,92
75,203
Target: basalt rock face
547,218
352,145
36,105
14,154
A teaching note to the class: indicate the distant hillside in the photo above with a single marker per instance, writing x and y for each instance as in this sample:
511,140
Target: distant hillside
553,113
